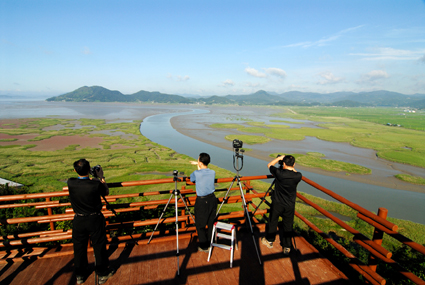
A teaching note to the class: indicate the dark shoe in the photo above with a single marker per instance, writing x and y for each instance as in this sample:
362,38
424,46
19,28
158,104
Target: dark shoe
203,249
267,243
286,250
103,279
80,279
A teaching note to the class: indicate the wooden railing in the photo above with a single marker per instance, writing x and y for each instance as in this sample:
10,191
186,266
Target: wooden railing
24,244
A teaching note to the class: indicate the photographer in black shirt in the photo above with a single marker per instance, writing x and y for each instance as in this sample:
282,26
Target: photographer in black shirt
283,202
84,194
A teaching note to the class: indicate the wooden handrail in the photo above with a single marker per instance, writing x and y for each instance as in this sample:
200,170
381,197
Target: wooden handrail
356,207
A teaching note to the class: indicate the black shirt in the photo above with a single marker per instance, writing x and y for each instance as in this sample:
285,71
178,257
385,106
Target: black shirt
285,186
84,195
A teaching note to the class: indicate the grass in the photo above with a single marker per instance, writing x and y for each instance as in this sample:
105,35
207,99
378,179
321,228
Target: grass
248,139
316,160
381,115
411,179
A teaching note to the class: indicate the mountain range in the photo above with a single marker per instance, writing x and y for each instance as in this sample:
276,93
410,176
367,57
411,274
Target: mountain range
347,99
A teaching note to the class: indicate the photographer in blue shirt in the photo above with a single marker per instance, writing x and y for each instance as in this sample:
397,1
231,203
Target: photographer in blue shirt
206,202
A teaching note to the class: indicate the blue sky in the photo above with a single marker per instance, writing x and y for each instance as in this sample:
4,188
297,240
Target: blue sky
212,47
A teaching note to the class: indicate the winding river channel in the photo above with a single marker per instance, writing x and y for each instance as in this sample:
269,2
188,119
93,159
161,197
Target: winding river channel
400,204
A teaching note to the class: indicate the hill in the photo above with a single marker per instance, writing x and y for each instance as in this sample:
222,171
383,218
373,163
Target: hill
348,99
101,94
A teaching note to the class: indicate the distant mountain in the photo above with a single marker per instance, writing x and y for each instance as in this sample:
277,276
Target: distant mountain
157,97
261,97
100,94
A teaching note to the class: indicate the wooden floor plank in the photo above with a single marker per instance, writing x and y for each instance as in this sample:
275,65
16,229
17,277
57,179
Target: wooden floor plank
11,271
156,263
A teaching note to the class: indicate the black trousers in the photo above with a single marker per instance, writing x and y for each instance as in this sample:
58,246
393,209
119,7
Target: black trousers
94,227
285,228
205,211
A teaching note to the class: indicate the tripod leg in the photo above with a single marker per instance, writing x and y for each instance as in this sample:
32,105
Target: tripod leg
264,198
177,235
159,220
249,219
187,209
225,197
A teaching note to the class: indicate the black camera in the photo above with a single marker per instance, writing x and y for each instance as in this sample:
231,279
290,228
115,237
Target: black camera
237,143
94,169
175,172
280,161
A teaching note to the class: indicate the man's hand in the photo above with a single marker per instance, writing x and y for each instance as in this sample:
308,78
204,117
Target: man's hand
276,160
99,172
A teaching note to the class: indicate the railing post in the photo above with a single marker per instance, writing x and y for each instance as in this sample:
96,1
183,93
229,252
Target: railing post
50,212
377,238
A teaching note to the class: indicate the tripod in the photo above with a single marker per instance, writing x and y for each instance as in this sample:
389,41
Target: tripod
265,195
109,207
175,193
236,158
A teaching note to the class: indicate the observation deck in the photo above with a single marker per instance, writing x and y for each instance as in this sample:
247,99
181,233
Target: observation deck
46,257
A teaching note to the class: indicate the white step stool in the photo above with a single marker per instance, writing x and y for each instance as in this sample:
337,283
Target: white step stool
232,237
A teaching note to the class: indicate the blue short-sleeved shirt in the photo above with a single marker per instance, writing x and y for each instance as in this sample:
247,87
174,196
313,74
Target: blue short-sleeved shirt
204,179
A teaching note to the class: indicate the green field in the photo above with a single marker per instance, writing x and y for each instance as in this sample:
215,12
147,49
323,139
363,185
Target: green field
378,115
317,160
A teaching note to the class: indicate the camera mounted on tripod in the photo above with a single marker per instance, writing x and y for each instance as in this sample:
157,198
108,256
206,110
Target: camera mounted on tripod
237,145
176,175
238,153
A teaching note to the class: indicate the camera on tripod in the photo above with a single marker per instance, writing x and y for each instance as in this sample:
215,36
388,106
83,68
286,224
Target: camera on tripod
237,144
94,169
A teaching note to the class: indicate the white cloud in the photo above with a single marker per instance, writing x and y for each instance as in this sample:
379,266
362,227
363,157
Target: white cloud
86,51
422,59
323,41
254,72
228,82
329,78
373,76
275,71
267,71
386,53
183,78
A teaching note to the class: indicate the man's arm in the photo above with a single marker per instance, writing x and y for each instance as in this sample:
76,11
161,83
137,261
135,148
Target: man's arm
274,161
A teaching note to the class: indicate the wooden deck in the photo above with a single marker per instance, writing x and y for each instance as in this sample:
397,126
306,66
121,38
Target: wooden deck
156,263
